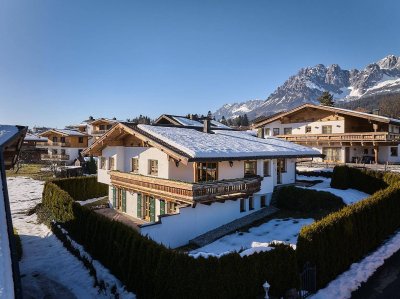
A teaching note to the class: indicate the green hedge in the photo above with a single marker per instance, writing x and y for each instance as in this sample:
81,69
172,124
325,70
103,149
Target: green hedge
153,271
82,188
346,236
307,200
368,181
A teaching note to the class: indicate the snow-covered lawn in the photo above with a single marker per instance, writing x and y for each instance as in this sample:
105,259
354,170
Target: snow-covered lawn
351,280
309,169
47,268
349,196
281,230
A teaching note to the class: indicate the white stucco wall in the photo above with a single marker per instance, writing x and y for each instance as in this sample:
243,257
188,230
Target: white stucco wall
182,172
300,128
384,155
176,230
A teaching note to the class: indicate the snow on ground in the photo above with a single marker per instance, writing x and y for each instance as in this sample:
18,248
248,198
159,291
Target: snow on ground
6,279
349,196
308,169
89,201
358,273
46,266
257,239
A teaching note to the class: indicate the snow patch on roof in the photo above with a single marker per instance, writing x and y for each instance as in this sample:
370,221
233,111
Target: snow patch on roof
34,137
6,132
225,144
187,122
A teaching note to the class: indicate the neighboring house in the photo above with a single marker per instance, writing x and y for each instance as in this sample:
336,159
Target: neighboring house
155,171
31,149
11,138
63,145
341,135
191,121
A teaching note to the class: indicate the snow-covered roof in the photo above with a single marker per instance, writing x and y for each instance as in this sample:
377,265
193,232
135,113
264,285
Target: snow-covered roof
65,132
187,121
217,124
225,144
6,132
34,137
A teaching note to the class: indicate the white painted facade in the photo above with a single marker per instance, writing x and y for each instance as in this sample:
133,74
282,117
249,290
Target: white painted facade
300,128
72,152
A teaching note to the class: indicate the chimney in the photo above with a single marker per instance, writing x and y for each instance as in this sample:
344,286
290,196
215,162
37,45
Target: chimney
206,125
376,111
260,133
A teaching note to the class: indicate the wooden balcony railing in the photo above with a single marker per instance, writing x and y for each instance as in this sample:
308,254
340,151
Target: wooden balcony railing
343,137
99,132
55,157
51,143
186,192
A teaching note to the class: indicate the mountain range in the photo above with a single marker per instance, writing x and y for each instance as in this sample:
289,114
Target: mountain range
379,78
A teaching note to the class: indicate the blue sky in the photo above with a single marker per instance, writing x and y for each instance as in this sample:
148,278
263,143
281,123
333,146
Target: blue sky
61,61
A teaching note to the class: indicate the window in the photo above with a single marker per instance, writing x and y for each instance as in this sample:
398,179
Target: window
54,139
394,151
102,163
102,127
327,129
263,202
267,168
251,203
111,163
54,152
267,132
332,154
171,207
308,129
275,131
365,151
62,139
207,171
287,131
242,205
250,168
281,164
63,152
80,140
153,167
135,165
109,127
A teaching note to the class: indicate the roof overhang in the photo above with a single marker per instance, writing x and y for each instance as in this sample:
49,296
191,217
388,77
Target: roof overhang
248,158
12,147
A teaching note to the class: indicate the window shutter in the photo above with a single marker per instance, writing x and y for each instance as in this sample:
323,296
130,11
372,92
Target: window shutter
152,209
123,200
139,205
114,197
162,207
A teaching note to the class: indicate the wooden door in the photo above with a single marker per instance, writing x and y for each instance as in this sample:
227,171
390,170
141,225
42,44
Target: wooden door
147,207
124,201
119,198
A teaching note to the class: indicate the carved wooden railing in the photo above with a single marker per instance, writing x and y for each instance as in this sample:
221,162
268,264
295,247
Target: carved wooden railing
99,132
364,136
186,192
54,157
51,143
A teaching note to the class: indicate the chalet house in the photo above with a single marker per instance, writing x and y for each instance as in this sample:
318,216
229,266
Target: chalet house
201,178
31,150
63,145
341,135
11,138
190,122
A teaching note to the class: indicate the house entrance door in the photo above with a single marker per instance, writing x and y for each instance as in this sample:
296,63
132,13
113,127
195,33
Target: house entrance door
280,167
119,201
347,154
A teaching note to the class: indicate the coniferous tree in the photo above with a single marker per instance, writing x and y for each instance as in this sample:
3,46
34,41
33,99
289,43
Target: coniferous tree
326,99
91,166
223,121
209,115
245,120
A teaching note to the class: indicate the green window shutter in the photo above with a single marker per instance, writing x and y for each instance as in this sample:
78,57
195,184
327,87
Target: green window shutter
139,205
152,209
123,200
114,197
162,207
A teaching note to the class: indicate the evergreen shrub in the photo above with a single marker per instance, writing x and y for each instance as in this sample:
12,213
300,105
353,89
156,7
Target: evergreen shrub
153,271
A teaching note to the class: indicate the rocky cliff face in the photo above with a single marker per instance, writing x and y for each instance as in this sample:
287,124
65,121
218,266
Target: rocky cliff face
308,84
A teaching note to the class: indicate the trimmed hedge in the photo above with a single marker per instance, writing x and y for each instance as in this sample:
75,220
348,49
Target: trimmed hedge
307,200
346,236
153,271
82,188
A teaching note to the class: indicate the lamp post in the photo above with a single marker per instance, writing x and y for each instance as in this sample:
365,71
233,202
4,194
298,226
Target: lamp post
266,287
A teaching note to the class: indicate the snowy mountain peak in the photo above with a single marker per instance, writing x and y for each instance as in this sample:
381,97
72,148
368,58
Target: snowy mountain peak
309,83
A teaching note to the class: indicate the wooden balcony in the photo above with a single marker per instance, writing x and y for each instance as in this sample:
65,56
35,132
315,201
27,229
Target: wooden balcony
54,157
99,132
342,137
186,192
51,143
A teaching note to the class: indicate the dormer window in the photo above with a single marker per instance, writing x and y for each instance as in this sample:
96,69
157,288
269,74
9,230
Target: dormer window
135,165
153,167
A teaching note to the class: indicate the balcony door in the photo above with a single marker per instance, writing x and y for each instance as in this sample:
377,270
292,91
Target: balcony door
149,208
280,168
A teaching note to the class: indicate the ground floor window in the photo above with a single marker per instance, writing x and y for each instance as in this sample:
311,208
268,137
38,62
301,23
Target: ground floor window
267,168
171,207
242,205
263,201
394,151
332,154
251,203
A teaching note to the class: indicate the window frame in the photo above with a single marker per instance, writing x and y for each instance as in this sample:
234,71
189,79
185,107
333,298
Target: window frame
267,131
325,127
263,201
102,163
242,205
80,139
308,129
285,131
255,168
396,151
111,166
135,170
153,167
204,167
274,130
251,203
268,172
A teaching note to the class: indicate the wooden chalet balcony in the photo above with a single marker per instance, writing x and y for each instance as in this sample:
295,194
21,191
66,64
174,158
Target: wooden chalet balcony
55,157
99,132
343,137
186,192
51,143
